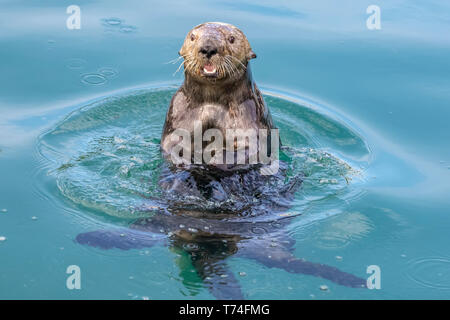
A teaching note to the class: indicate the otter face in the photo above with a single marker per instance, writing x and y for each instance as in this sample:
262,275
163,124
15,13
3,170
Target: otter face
215,51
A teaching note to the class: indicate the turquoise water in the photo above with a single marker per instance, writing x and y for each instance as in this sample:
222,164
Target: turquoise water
364,114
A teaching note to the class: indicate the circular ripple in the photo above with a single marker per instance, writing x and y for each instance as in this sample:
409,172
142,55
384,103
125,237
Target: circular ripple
76,64
128,29
109,73
113,22
431,272
258,230
106,157
93,79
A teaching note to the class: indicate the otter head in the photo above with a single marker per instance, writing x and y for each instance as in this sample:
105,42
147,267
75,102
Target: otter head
216,52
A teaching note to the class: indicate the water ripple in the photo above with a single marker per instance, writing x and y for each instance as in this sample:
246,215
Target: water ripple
430,272
105,157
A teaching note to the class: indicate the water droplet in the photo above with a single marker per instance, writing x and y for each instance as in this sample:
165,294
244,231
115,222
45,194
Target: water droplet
4,210
324,287
339,258
2,238
242,274
33,218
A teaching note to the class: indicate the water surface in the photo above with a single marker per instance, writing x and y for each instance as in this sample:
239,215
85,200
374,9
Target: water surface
365,111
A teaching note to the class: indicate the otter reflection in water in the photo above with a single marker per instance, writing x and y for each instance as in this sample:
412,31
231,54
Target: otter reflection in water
209,233
210,211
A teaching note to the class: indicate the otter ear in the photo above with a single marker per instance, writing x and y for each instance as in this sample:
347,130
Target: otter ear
251,55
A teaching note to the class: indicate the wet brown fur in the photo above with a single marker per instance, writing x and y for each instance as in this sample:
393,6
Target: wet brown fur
229,100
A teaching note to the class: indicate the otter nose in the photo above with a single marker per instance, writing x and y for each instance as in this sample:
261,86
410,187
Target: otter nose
208,51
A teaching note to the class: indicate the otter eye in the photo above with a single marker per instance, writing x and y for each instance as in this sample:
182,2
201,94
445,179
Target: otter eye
231,39
192,37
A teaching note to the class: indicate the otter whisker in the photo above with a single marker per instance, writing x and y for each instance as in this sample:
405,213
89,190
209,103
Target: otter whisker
173,61
231,66
225,68
179,67
192,65
222,70
239,61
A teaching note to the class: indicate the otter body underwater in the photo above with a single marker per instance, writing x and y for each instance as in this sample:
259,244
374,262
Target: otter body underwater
211,210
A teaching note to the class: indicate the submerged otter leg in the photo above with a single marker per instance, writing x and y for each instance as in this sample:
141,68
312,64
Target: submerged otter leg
219,280
279,257
208,257
123,239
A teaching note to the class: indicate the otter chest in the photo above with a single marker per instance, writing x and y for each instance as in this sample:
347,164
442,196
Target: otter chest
217,116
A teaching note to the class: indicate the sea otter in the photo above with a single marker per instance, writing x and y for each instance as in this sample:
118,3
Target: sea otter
208,212
218,93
